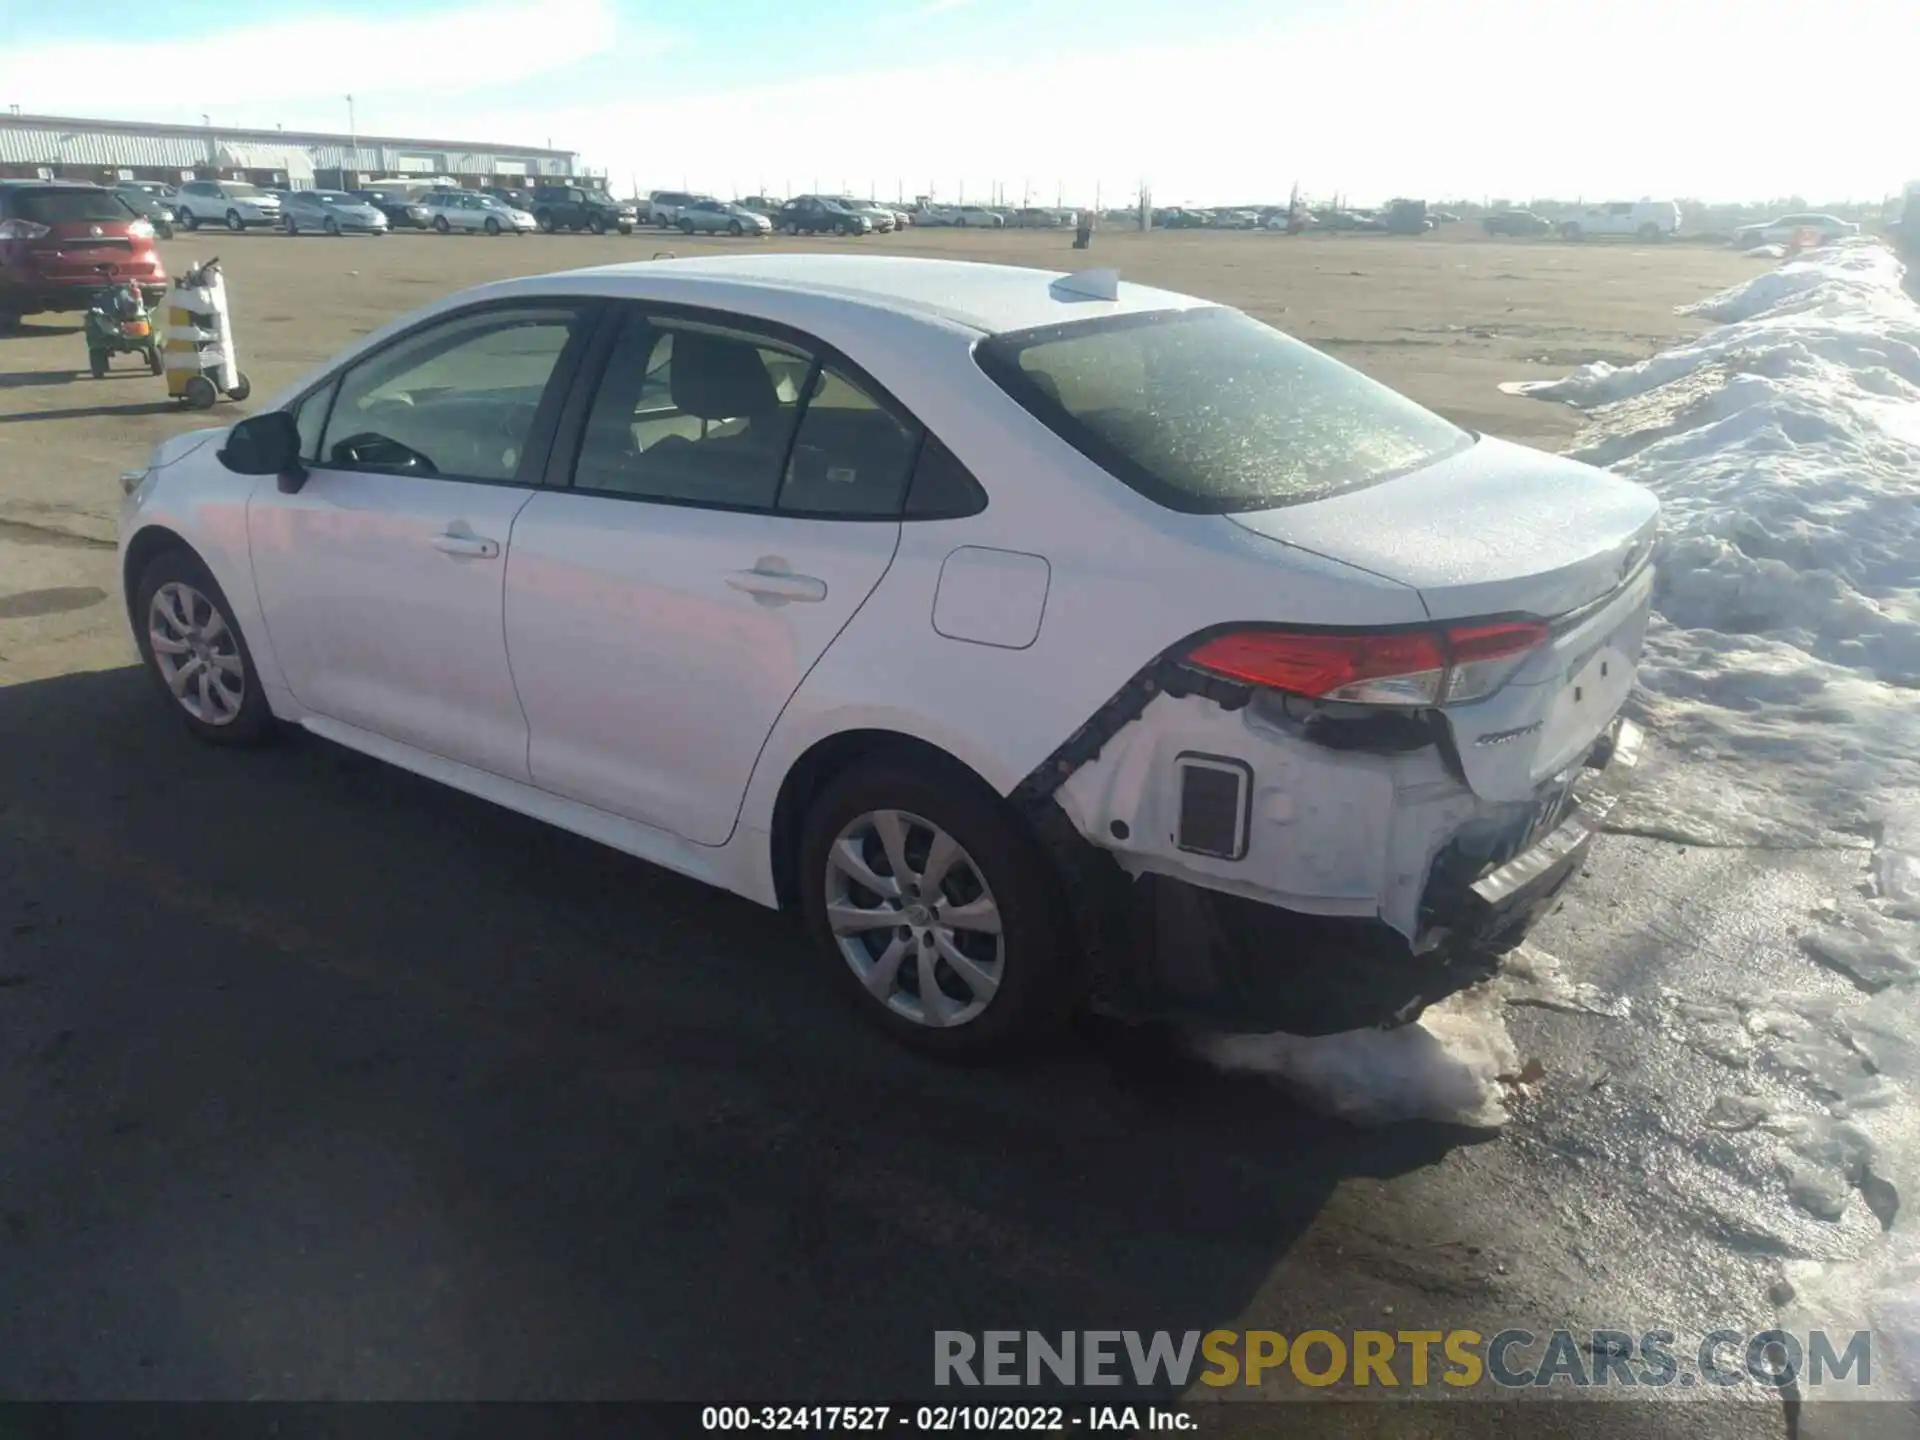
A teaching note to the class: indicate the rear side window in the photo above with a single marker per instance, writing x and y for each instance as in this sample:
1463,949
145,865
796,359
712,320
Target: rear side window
850,456
68,207
1208,411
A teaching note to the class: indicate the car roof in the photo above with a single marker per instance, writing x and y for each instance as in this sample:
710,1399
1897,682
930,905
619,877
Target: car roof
988,298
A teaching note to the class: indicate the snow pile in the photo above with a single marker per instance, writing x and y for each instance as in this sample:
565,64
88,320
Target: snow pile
1783,674
1452,1066
1785,448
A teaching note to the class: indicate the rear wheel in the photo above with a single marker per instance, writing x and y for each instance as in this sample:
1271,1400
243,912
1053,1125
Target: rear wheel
686,227
597,225
544,219
199,393
97,363
195,652
240,389
234,222
332,227
1649,231
154,363
937,913
293,226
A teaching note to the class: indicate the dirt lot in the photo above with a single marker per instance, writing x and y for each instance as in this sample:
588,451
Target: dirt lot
317,1080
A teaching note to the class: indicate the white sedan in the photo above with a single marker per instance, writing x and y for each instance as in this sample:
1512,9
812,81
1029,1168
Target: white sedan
1043,640
1788,227
468,210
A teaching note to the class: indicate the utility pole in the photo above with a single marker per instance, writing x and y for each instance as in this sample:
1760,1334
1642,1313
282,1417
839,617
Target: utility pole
353,148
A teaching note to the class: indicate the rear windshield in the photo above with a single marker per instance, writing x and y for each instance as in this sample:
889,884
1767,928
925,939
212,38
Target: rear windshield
67,207
1209,411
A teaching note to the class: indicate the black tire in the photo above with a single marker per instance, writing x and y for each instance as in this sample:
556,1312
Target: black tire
735,228
163,229
544,219
597,225
625,228
1650,231
9,322
442,225
686,227
492,227
188,220
234,222
254,724
293,225
1570,230
97,363
199,393
1040,979
154,363
332,227
242,387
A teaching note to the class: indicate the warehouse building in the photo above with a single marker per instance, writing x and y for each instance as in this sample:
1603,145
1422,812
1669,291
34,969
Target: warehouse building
52,147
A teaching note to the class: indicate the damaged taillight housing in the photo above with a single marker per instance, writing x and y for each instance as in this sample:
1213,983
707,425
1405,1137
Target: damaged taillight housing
1406,668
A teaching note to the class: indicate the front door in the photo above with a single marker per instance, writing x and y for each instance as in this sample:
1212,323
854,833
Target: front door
381,580
733,504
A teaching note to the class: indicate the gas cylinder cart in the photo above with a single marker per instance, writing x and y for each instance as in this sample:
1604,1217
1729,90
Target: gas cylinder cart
202,363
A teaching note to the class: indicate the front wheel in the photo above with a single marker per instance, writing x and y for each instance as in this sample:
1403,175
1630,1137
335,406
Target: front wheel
154,363
936,911
442,224
597,226
240,389
234,222
492,226
199,393
195,652
1649,231
293,226
332,227
97,363
736,229
686,227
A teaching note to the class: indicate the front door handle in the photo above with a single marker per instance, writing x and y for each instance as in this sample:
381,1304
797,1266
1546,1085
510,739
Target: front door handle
777,585
474,546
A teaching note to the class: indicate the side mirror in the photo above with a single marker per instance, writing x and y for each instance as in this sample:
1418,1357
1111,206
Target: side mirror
266,444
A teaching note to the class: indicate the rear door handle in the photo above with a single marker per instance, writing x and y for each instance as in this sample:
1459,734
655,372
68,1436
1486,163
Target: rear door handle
778,585
471,545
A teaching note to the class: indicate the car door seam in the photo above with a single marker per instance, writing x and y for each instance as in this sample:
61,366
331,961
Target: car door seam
506,646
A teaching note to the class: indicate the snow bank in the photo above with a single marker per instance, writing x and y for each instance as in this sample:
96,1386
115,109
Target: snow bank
1783,675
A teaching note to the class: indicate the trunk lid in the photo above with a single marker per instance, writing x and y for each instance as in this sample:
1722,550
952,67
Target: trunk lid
1498,531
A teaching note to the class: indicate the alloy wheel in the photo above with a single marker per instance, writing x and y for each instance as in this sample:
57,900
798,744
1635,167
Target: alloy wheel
196,653
913,917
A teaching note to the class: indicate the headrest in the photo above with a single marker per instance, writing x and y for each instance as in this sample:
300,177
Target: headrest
717,378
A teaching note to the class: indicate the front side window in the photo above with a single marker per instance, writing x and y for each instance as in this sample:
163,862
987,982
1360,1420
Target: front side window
692,414
234,190
1208,411
457,399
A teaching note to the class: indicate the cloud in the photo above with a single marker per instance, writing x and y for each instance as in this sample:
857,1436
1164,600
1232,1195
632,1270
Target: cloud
300,70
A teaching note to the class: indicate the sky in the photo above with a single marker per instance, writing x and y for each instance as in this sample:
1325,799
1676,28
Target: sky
1208,101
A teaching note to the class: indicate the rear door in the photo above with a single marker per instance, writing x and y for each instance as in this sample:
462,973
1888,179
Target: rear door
722,502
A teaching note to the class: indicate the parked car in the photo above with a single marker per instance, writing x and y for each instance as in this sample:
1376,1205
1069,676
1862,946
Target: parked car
233,203
821,215
664,206
401,207
512,197
1516,222
573,207
1783,230
1175,218
331,212
61,241
977,216
150,204
470,211
880,217
721,217
1642,219
954,628
1033,217
1408,217
761,204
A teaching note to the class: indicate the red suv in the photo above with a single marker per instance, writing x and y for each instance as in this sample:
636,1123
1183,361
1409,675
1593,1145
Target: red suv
59,243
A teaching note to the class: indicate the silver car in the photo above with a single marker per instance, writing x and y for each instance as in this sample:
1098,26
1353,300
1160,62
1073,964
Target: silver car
716,217
233,203
330,212
467,210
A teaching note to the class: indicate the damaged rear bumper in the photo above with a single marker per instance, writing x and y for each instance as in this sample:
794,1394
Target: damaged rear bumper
1160,947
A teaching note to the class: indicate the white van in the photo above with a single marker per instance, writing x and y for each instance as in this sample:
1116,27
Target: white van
1643,219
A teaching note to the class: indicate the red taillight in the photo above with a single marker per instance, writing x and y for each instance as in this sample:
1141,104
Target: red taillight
1408,667
1400,669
